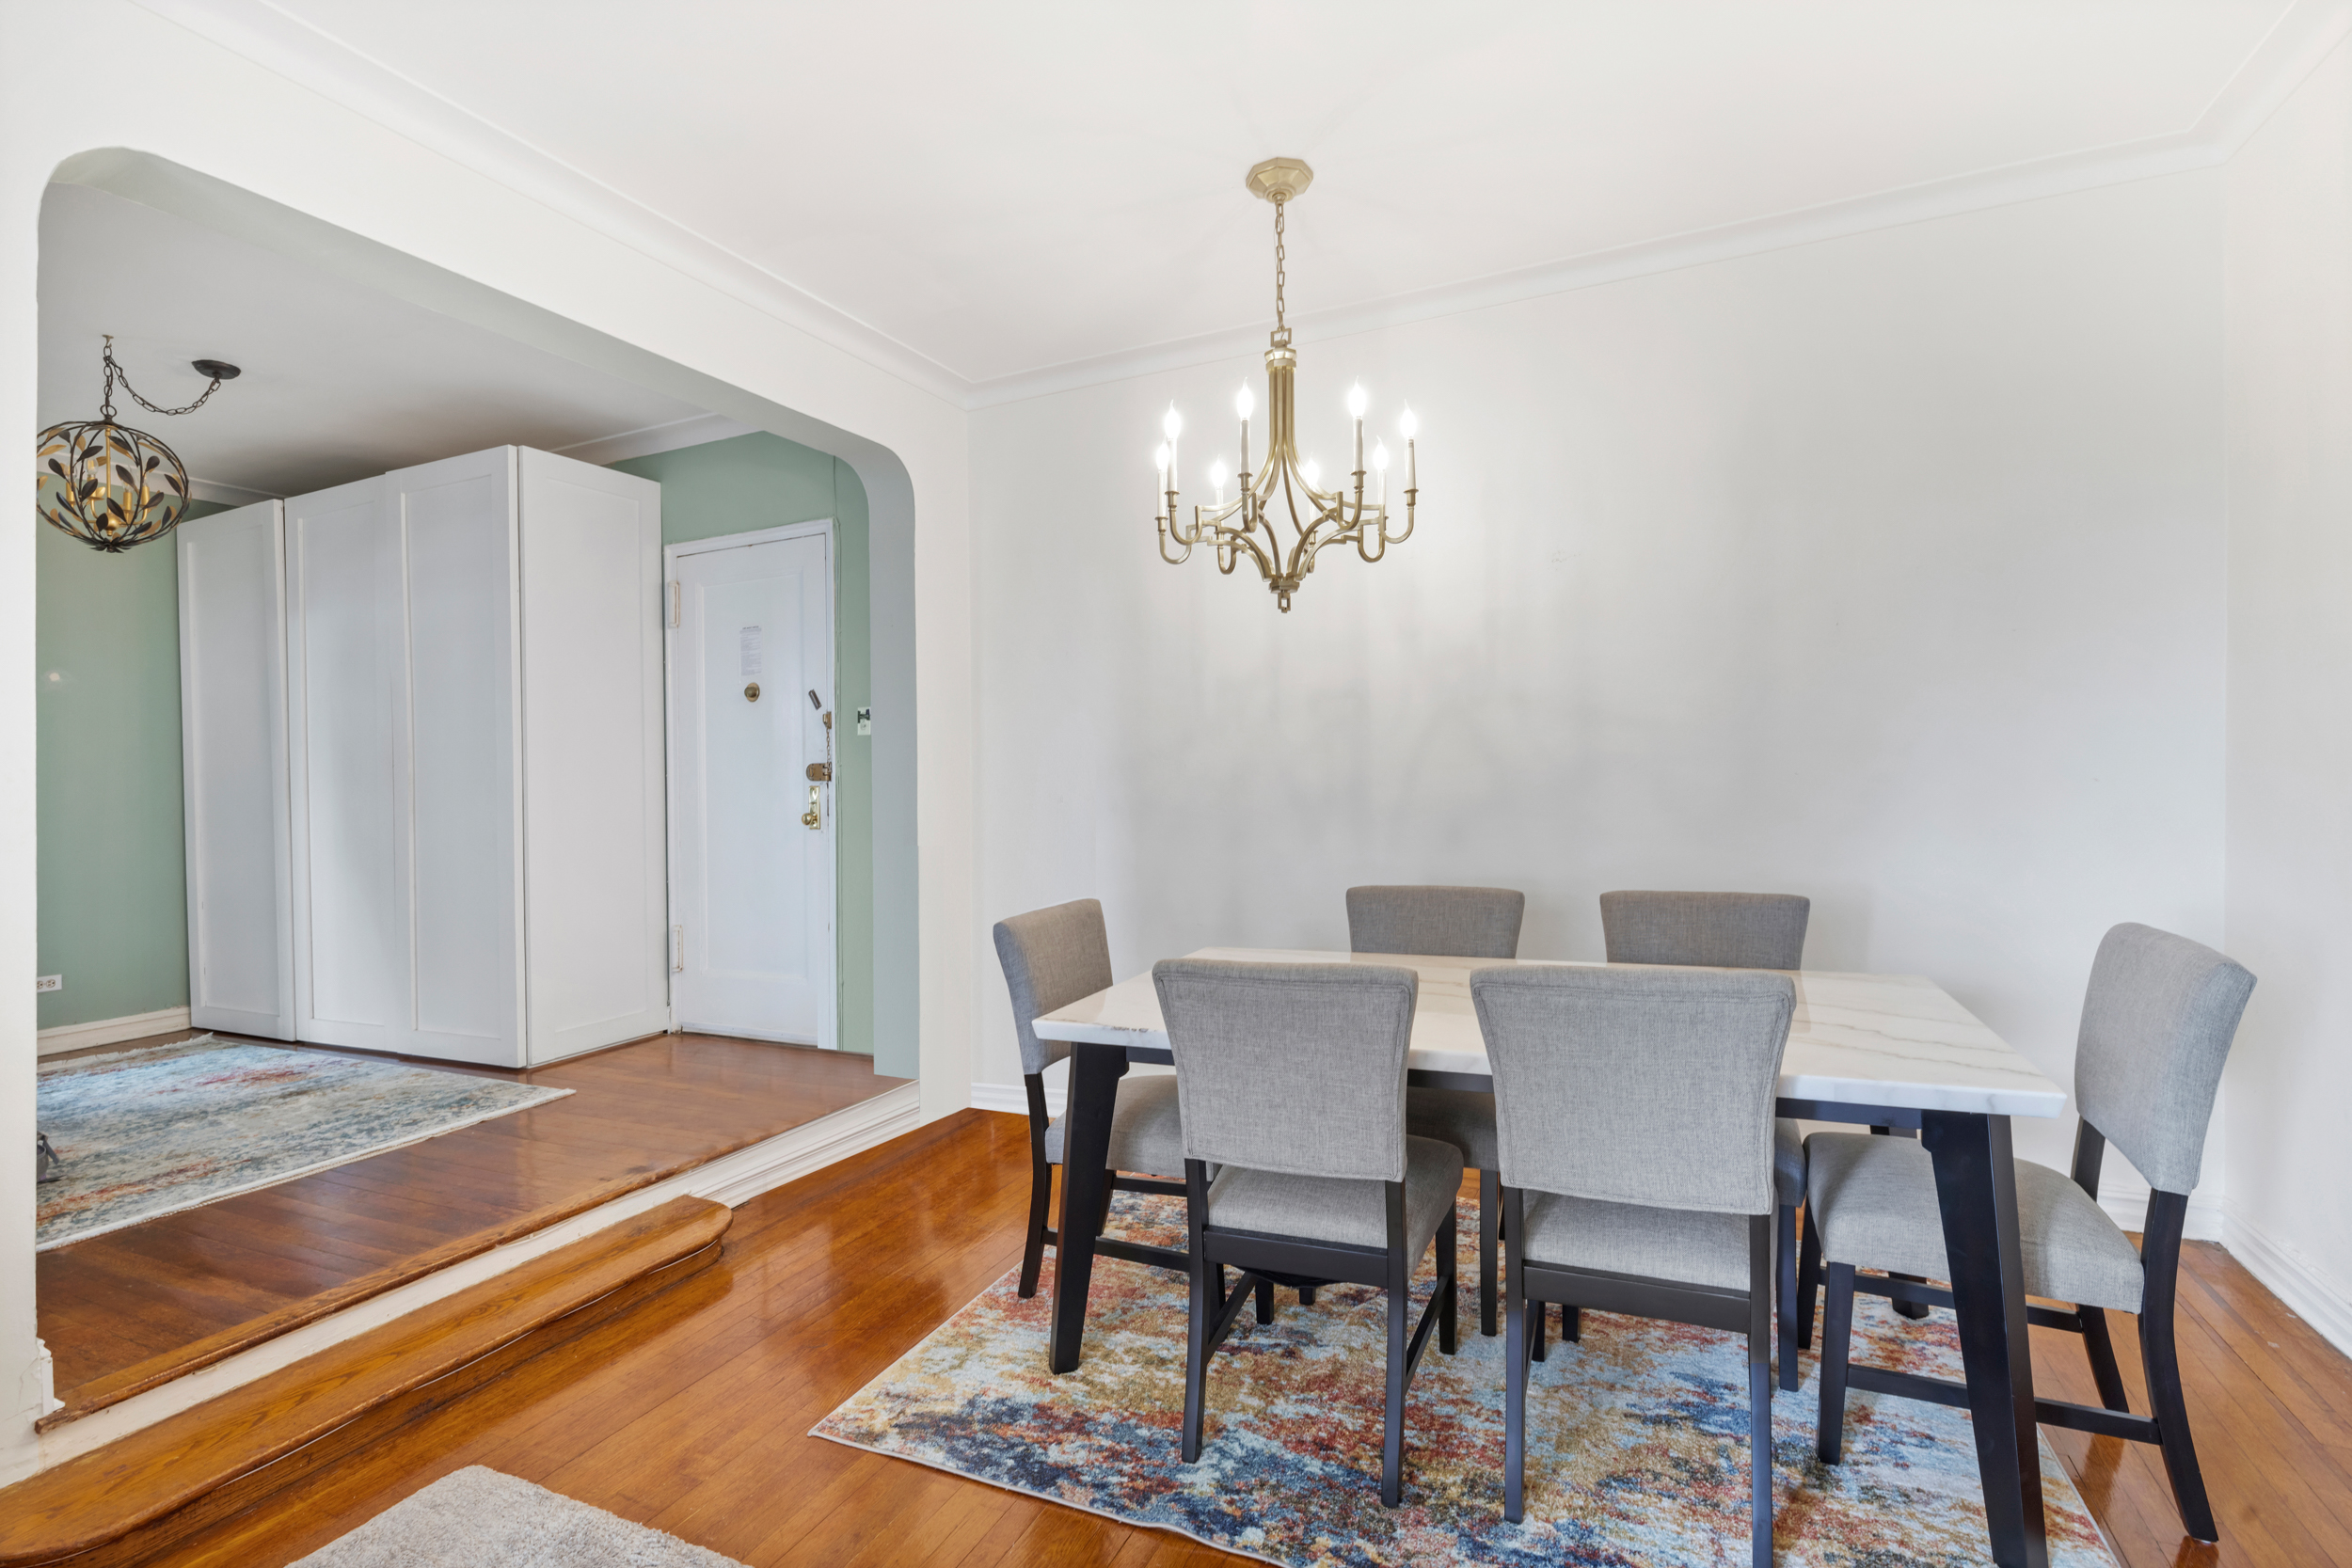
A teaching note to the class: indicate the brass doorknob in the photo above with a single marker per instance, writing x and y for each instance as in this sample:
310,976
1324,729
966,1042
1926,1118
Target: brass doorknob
751,693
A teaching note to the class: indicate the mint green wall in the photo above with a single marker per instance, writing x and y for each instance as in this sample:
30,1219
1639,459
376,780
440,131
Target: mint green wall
114,912
762,481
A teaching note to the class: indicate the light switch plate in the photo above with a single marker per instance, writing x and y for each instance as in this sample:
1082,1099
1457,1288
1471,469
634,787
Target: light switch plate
49,982
866,720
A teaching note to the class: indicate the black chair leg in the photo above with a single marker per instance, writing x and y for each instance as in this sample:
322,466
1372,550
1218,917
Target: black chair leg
2160,1360
1571,1324
1266,1300
1489,1232
1836,1344
1306,1295
1538,1329
1392,1427
1206,1304
2099,1346
1784,1283
1449,1278
1808,1283
1040,1210
1760,1453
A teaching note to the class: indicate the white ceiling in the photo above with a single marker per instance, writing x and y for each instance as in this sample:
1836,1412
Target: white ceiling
1004,187
340,381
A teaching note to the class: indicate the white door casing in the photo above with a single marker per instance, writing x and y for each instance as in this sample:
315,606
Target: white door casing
751,885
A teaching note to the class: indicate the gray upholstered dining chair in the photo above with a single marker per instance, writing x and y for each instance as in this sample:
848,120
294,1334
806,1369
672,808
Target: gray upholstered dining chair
1635,1114
1731,930
1291,1083
1449,922
2158,1017
1052,957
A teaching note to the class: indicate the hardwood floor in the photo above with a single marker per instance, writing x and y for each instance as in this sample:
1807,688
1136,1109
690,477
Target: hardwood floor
136,1306
691,1413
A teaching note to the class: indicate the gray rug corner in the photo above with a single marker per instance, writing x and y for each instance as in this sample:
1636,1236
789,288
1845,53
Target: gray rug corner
482,1518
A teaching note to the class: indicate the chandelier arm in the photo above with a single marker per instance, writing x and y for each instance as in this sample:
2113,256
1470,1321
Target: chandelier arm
1400,538
1164,534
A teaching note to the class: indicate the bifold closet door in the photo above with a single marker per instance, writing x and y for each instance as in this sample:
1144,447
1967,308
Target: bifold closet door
594,818
233,749
407,855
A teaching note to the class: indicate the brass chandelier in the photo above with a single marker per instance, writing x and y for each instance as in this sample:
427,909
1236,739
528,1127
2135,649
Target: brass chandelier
1284,485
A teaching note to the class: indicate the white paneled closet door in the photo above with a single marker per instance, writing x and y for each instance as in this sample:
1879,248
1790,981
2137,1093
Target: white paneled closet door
232,721
594,818
404,666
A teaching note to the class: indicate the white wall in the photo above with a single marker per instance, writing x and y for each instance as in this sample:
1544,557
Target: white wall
2289,262
1887,570
219,114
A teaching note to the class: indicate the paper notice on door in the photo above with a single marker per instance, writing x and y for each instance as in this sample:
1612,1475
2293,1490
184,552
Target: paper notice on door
749,639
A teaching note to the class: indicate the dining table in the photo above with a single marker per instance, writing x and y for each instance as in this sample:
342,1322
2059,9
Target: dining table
1885,1051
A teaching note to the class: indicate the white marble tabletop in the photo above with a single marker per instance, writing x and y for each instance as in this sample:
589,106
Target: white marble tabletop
1858,1040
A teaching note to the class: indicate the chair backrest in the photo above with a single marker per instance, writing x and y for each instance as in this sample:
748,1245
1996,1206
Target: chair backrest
1291,1068
1436,922
1720,930
1052,957
1637,1085
2158,1017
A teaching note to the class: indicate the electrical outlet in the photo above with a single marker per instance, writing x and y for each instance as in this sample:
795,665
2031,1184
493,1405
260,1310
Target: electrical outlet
866,720
49,982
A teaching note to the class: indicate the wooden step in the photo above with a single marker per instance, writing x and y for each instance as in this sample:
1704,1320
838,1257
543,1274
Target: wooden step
138,1480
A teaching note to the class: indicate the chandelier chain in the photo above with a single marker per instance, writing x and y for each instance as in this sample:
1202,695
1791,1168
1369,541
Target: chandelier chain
1282,331
115,372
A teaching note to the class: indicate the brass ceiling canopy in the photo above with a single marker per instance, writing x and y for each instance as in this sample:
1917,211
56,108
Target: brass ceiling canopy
1286,482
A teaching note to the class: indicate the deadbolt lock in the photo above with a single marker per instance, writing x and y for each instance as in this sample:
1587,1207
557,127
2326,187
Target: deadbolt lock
751,693
814,815
820,772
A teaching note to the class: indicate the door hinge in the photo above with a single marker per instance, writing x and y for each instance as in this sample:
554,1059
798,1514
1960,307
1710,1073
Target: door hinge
678,949
677,606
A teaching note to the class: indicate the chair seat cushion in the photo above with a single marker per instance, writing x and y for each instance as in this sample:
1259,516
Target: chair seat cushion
1873,1201
1463,1117
1684,1246
1147,1134
1787,1162
1332,1208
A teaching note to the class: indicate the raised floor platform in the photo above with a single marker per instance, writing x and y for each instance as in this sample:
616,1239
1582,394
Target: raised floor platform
135,1309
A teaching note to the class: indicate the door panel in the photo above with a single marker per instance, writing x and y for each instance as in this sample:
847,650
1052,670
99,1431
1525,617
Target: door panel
233,682
753,885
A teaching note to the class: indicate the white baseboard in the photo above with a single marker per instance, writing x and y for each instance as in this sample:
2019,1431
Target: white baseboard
1013,1097
112,1031
2126,1203
732,1179
2289,1275
736,1178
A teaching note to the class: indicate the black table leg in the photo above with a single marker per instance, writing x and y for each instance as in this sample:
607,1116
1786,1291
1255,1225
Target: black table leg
1976,1187
1094,1074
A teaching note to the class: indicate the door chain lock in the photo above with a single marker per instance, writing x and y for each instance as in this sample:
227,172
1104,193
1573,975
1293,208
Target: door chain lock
814,815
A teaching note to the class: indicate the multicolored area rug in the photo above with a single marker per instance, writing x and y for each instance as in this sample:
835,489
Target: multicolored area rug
1637,1453
152,1131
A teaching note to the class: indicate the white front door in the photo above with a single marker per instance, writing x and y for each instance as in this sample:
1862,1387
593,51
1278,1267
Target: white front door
751,835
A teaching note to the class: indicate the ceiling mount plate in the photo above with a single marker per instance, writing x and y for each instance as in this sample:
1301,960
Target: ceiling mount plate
1280,179
219,369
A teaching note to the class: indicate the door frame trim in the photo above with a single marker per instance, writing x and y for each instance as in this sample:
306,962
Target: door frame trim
829,1018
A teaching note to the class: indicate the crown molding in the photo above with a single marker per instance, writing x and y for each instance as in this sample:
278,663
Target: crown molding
323,63
2305,34
695,430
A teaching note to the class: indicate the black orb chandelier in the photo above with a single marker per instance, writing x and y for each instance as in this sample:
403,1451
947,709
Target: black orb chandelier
111,486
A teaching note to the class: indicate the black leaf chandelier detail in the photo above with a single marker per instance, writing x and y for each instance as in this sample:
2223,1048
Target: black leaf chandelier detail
111,486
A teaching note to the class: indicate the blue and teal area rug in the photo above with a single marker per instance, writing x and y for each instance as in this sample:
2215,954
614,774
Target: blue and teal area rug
149,1132
1637,1454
